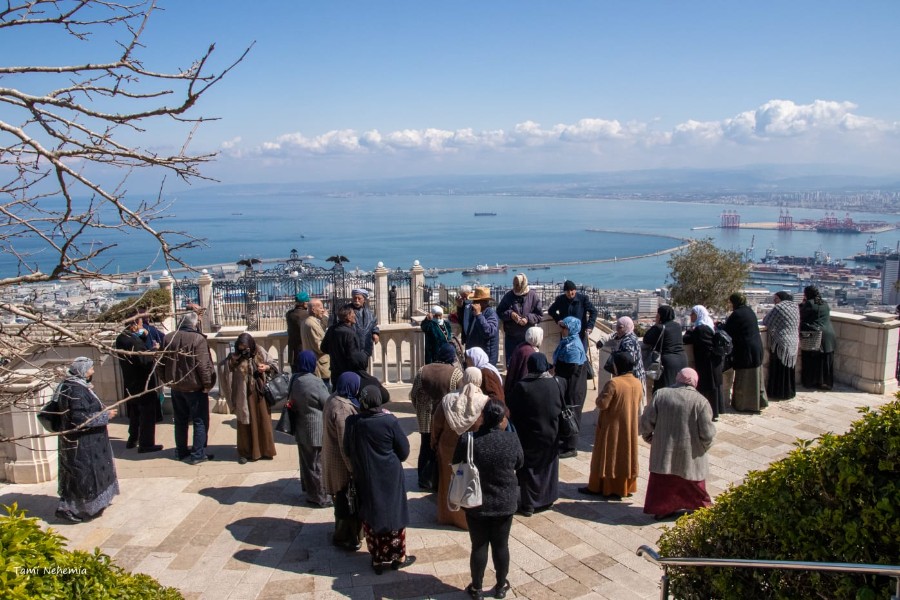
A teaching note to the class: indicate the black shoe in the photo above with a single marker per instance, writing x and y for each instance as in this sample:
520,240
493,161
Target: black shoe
146,449
587,491
377,567
525,512
242,461
500,590
569,454
66,515
399,564
474,593
326,504
196,461
130,444
210,456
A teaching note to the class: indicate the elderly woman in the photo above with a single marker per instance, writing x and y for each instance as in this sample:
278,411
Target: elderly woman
457,413
437,333
570,364
377,447
709,364
749,392
519,309
518,362
614,462
535,404
665,338
625,340
249,367
783,325
491,381
818,365
87,473
678,426
336,465
498,455
308,395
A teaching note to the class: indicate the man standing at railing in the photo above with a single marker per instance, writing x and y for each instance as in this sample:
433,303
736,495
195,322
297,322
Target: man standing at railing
295,318
366,326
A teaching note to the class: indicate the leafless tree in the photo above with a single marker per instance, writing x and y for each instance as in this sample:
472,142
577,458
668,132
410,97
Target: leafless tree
64,128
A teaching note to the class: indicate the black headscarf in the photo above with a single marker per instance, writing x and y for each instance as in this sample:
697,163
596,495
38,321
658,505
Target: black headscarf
446,354
370,398
812,294
666,313
784,295
624,362
737,300
537,363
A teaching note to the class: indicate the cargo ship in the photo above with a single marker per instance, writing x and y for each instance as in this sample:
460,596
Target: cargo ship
485,269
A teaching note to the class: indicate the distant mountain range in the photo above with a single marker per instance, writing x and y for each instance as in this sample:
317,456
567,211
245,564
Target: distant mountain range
743,180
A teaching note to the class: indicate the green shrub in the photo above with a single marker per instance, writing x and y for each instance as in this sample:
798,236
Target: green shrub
35,564
156,300
836,501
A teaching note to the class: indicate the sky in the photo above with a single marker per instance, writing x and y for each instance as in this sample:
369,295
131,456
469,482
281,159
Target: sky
340,90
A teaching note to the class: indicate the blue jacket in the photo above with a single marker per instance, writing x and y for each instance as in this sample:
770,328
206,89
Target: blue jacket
485,334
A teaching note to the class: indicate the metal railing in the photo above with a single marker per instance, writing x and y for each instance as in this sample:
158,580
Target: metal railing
789,565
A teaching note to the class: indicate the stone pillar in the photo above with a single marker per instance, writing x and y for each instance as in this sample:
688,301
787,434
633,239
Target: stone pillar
204,283
31,460
166,282
381,295
416,285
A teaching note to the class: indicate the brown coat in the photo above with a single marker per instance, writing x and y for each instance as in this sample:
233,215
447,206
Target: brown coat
255,438
336,467
616,443
443,440
491,385
311,332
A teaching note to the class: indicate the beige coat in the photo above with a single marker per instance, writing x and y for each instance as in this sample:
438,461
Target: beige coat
312,332
236,375
336,467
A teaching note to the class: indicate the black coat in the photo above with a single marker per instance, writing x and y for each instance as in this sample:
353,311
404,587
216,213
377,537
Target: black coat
743,327
535,404
579,307
671,348
339,343
709,364
498,455
137,370
377,447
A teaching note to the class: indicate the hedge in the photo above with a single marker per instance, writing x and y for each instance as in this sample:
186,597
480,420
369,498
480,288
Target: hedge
837,500
35,564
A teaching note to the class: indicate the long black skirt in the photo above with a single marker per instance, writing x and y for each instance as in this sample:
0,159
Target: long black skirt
780,384
538,487
818,370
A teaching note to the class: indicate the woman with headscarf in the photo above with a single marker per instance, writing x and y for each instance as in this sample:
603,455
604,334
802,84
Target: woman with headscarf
625,340
665,338
377,447
749,391
336,466
518,362
570,364
783,325
818,365
457,413
87,473
307,397
491,381
708,363
250,366
437,332
678,426
614,461
535,404
498,455
519,309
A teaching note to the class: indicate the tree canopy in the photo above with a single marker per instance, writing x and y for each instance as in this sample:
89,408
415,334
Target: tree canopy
703,274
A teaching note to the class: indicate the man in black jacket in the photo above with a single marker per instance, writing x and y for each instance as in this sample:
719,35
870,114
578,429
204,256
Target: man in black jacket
572,303
139,382
340,342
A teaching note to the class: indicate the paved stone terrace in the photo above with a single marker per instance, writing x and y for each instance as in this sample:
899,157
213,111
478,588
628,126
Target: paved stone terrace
221,530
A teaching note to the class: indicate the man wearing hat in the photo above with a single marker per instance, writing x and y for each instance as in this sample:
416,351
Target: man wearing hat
366,326
484,328
295,318
572,303
437,333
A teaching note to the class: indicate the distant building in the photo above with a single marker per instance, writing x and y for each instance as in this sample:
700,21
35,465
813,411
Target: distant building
889,277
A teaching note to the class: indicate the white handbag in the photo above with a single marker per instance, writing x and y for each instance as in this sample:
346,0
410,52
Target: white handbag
465,482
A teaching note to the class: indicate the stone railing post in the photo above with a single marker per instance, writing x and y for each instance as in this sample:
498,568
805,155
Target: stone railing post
204,284
416,285
30,460
166,282
381,295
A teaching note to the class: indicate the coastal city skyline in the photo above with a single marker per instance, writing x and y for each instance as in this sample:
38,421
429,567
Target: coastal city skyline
358,90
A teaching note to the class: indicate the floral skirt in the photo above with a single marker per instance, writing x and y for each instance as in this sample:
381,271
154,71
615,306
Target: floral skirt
385,547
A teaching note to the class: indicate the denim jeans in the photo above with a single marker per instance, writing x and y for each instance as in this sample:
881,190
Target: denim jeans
191,408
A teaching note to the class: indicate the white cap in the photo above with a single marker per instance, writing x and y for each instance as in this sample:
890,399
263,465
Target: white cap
437,310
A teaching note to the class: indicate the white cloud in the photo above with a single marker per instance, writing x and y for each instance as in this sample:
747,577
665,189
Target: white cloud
776,124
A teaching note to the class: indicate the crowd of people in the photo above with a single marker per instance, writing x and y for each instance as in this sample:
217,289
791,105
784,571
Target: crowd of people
352,448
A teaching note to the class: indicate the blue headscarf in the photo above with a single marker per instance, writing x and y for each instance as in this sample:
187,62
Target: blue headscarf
348,387
570,349
306,362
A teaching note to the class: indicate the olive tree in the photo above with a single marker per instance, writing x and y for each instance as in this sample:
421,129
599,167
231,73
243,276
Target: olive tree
703,274
71,134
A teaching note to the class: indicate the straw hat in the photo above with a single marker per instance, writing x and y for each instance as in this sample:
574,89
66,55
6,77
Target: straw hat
481,294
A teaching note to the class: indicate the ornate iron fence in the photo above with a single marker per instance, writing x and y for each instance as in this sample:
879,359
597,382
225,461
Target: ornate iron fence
399,282
185,291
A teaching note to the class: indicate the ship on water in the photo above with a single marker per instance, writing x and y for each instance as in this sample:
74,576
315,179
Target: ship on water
873,256
485,214
486,269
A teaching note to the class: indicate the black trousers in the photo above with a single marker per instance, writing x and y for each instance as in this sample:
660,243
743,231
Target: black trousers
493,531
142,412
427,465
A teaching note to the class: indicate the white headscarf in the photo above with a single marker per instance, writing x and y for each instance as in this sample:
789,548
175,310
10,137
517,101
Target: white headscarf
703,317
480,360
534,336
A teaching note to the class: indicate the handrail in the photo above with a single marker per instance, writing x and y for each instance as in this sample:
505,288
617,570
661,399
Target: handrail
651,555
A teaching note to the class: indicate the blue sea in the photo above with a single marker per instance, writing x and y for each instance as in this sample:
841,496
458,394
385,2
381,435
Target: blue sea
442,232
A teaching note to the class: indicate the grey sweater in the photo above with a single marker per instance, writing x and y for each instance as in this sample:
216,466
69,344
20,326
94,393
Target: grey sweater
308,395
678,424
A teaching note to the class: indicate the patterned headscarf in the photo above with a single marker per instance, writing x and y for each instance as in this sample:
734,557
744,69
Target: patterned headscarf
783,323
570,348
80,366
